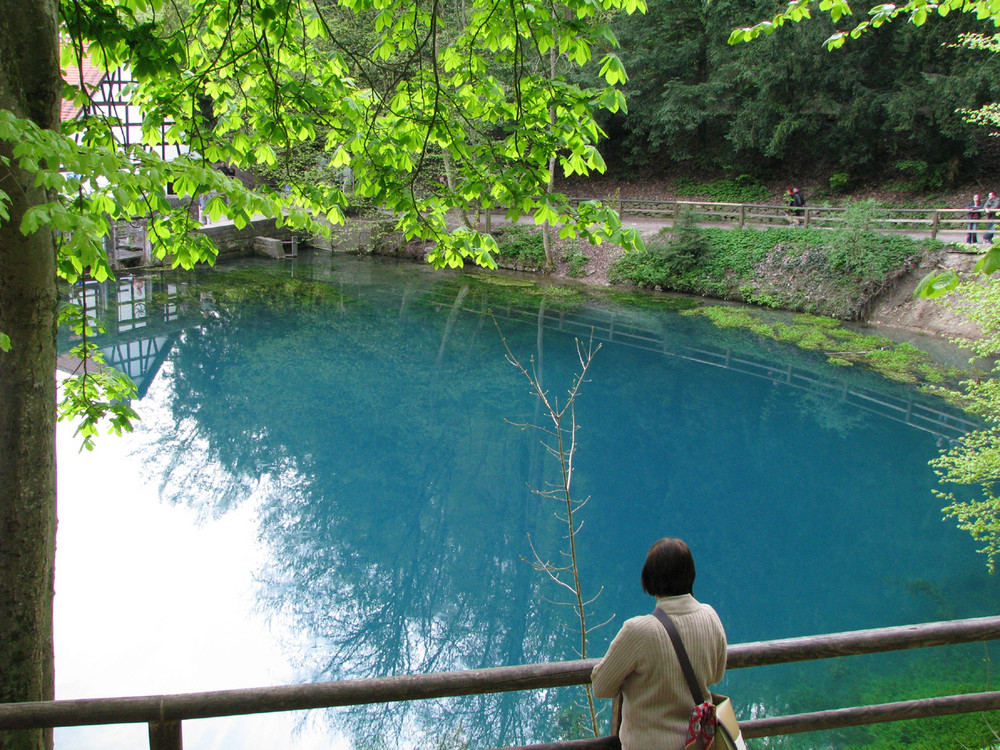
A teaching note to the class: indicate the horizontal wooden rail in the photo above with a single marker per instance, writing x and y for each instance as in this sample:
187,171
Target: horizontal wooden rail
857,642
929,221
850,717
823,720
165,712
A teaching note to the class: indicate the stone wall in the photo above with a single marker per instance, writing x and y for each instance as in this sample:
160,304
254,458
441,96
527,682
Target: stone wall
234,242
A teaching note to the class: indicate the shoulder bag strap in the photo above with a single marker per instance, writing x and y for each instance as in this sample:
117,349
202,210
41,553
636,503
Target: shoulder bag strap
682,657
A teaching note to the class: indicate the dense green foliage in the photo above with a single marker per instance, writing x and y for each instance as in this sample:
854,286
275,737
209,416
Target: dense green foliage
974,461
783,106
829,272
739,189
520,247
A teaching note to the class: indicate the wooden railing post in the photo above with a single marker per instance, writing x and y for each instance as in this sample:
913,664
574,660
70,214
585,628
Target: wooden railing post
743,215
165,735
934,225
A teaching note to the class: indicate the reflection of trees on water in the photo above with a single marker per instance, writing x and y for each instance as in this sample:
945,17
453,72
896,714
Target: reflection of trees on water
393,500
394,505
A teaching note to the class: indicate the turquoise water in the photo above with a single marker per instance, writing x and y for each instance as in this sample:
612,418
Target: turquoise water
341,439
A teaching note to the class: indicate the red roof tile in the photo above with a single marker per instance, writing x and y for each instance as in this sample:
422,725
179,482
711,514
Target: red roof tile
91,78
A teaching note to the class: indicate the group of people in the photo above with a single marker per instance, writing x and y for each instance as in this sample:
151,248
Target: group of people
978,211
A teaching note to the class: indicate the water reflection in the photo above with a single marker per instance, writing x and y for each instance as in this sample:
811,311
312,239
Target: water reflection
358,411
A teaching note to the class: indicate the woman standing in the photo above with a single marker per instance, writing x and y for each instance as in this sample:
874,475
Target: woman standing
641,663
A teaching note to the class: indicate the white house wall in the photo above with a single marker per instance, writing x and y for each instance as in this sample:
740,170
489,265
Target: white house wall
111,100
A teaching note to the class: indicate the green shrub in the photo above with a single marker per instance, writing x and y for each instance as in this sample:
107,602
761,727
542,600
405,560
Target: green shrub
921,177
576,261
684,249
520,246
740,189
640,268
840,182
859,249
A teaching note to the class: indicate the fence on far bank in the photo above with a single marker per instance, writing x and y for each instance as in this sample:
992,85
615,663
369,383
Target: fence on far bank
912,221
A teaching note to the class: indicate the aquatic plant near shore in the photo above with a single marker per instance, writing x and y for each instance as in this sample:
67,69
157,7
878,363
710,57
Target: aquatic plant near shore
842,346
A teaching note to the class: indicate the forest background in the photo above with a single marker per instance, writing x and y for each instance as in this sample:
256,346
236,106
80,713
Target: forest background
886,115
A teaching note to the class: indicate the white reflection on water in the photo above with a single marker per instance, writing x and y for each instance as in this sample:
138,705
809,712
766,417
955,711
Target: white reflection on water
151,599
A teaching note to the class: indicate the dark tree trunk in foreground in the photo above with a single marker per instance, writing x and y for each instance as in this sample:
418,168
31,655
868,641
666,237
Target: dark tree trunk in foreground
30,87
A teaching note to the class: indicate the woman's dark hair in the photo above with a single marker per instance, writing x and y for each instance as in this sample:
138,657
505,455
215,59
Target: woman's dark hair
669,569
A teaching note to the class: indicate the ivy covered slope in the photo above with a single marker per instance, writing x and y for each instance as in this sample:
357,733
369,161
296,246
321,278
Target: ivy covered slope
826,272
478,87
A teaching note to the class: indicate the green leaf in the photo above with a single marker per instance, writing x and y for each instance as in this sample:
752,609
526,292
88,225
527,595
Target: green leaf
936,284
990,262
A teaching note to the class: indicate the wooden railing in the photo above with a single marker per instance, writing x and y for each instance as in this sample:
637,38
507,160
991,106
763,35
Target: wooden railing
921,221
164,713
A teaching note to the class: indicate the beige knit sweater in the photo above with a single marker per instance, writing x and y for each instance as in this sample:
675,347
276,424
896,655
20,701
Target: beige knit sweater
641,663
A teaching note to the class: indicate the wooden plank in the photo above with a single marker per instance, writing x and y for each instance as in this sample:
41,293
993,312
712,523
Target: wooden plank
165,735
148,709
849,717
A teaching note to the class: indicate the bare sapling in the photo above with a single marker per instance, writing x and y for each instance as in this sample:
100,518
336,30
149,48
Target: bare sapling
560,442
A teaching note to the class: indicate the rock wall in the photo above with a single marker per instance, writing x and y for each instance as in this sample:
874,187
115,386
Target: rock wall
899,309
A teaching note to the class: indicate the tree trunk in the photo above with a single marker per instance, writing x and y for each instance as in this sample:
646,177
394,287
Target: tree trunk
30,87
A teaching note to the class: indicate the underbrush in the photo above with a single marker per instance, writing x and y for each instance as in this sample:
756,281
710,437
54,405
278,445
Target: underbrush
520,248
740,189
829,272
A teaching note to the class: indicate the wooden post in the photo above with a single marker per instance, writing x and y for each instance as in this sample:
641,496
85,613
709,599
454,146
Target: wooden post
147,245
743,215
934,225
165,735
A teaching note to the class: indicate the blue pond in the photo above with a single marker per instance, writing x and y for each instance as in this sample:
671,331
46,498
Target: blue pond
330,481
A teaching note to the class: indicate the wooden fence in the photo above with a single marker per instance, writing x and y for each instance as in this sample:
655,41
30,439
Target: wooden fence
164,713
919,221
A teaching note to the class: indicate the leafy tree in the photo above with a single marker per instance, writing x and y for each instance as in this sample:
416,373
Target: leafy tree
776,104
975,460
246,84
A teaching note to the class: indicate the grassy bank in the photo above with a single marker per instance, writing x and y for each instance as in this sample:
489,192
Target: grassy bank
838,273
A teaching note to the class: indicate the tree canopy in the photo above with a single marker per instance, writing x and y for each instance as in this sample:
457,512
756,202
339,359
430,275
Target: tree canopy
886,106
468,84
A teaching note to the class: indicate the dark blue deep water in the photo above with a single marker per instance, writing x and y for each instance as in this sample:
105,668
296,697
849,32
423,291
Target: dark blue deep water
340,437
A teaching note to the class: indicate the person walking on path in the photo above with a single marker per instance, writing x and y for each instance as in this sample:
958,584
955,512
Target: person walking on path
796,200
975,210
991,205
